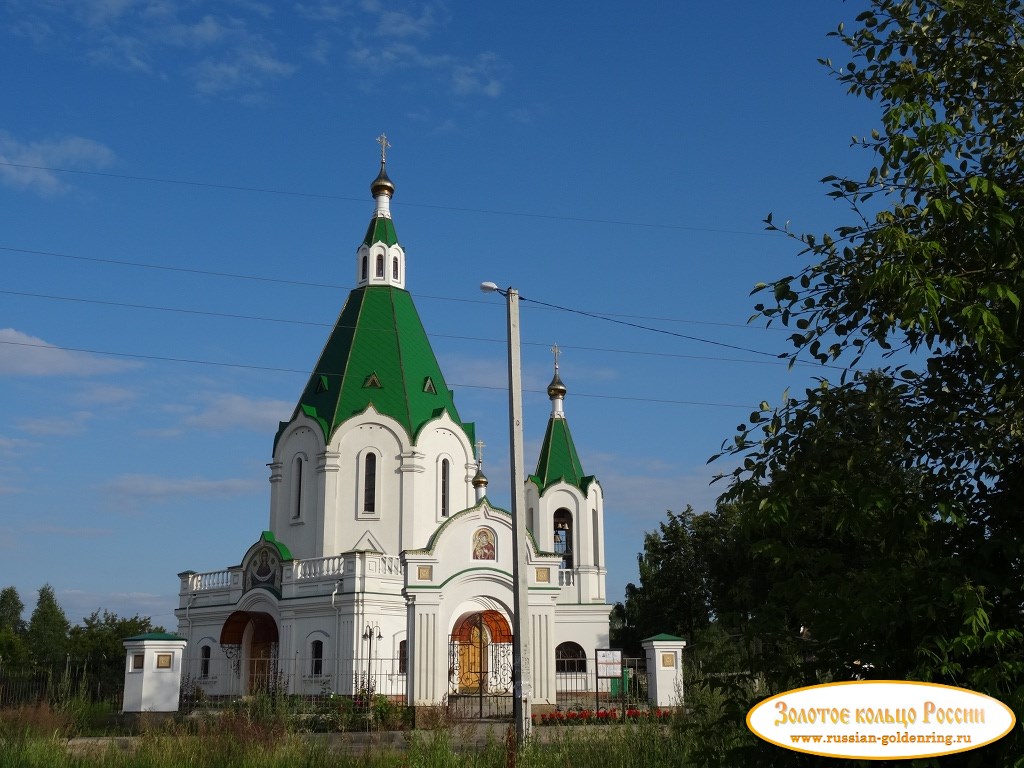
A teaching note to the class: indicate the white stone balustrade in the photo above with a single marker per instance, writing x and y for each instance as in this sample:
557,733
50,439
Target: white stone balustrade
566,577
201,582
320,568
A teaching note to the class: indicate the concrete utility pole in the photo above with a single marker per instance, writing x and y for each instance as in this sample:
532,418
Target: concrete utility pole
522,668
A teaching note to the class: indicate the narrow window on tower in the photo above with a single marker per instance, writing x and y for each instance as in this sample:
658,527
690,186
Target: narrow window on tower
297,488
370,483
445,487
563,537
380,265
394,268
204,662
403,657
366,267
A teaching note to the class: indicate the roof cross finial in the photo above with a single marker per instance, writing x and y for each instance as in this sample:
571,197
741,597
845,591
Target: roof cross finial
555,351
480,444
384,144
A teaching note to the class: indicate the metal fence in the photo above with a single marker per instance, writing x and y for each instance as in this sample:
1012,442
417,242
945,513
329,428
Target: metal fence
478,687
577,686
25,685
210,682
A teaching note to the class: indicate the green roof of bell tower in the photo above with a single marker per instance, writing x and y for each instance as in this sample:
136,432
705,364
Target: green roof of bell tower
558,460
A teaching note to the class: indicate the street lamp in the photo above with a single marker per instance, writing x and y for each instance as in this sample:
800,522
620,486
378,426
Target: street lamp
522,680
369,637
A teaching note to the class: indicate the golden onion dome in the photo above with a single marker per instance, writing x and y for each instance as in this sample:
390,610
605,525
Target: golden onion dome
382,184
556,388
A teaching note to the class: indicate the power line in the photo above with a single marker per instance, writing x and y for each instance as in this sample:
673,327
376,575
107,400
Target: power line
323,196
275,369
650,328
335,286
314,323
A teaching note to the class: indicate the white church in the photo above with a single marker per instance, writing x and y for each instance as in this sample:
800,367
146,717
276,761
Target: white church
384,568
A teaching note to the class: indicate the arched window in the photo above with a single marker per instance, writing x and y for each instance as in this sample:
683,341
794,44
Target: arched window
570,657
316,653
563,536
380,265
370,483
366,267
297,463
204,662
403,657
394,268
594,535
445,496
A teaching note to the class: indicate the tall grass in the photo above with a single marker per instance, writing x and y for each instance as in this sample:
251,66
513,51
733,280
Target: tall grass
230,742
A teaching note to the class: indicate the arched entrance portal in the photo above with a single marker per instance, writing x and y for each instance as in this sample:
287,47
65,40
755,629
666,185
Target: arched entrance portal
480,663
250,640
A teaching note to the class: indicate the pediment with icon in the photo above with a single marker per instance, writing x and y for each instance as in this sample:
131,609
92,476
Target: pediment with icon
262,564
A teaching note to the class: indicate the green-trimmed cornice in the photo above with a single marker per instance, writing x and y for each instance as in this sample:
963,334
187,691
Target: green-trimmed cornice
484,503
377,355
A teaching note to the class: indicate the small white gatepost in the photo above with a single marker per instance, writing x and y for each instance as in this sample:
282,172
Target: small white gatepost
664,670
152,673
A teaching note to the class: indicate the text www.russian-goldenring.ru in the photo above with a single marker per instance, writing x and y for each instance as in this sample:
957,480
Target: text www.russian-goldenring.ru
885,740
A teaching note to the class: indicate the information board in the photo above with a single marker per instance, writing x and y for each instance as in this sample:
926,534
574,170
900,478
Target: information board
609,663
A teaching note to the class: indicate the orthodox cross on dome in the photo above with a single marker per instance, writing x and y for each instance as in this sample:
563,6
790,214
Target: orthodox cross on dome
480,444
556,352
384,144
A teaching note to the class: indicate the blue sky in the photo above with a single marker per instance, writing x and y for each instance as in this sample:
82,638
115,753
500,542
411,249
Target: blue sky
185,183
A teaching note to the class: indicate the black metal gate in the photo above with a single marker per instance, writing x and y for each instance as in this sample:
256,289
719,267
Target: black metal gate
479,672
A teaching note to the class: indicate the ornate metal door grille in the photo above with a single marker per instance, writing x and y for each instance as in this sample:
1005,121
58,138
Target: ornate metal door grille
479,670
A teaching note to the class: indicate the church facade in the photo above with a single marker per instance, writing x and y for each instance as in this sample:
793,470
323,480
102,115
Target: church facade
384,568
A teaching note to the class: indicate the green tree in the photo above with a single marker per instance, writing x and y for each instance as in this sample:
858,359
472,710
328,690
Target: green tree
97,643
930,272
47,634
13,651
856,571
11,609
672,596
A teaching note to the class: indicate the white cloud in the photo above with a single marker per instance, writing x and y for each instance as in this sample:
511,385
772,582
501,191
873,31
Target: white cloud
65,424
323,12
224,412
241,71
393,24
28,163
101,12
11,447
477,77
135,489
123,52
99,394
239,48
74,533
24,355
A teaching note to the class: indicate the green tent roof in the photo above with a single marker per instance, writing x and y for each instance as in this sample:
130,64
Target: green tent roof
378,354
381,230
558,459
